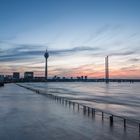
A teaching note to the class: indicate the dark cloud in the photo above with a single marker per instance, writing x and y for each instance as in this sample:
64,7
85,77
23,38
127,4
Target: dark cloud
25,51
134,60
28,51
73,50
20,55
122,53
131,68
19,52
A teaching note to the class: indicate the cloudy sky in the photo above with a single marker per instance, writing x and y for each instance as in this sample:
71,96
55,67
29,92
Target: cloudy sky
77,33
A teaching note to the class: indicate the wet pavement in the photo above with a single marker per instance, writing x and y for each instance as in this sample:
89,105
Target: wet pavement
25,115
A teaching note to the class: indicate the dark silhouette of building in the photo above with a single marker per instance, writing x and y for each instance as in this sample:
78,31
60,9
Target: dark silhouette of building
1,80
28,75
46,55
1,77
16,75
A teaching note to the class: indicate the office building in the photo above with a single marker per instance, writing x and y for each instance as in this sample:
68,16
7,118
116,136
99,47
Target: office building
16,75
28,75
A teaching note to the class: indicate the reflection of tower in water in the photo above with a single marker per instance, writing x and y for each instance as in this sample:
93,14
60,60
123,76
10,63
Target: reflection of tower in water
46,55
106,69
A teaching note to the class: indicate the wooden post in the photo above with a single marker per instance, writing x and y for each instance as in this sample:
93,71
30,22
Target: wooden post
111,120
84,109
78,106
73,105
69,103
102,115
139,129
93,112
88,111
62,100
124,123
66,102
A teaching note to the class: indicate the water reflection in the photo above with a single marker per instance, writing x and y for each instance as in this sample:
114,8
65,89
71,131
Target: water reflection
119,98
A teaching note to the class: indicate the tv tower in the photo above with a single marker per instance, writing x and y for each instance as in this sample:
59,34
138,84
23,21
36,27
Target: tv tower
46,55
107,69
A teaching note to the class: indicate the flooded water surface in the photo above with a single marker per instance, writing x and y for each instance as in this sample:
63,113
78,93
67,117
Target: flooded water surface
26,115
118,98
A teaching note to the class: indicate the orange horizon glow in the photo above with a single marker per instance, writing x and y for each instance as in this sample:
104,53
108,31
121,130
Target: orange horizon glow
130,74
97,74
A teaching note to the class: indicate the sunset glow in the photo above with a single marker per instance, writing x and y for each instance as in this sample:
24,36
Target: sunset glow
77,40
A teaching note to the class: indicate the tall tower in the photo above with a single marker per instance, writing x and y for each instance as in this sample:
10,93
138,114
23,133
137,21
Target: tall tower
107,69
46,55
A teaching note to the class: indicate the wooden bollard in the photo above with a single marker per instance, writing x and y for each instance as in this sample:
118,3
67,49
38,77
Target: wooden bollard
84,109
78,106
69,103
124,123
93,112
66,102
88,110
73,105
102,115
111,120
62,100
139,128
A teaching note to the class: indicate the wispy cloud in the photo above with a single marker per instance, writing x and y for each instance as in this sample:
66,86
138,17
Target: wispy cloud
24,52
77,49
105,32
17,52
124,53
20,52
134,60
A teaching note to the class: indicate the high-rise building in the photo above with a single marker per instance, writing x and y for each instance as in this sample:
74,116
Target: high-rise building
28,75
1,80
16,75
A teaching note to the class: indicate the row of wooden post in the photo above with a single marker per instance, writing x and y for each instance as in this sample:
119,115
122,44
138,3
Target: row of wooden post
86,109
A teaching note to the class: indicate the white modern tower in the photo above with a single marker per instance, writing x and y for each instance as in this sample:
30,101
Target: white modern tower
107,69
46,55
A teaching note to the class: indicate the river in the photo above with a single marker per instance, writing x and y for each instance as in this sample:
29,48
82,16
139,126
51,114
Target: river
121,99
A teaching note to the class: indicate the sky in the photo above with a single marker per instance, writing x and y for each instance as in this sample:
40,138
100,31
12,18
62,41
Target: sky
78,34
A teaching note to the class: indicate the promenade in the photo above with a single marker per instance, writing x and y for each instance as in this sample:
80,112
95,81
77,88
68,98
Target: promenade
25,115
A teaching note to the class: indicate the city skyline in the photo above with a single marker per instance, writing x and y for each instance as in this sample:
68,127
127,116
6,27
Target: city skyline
77,34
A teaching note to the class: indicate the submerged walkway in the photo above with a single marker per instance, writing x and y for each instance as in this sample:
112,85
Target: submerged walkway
25,115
